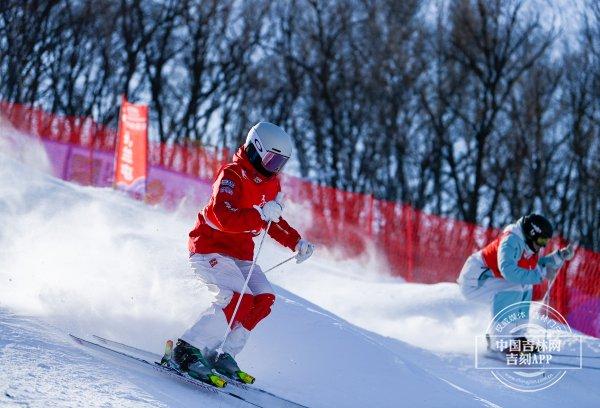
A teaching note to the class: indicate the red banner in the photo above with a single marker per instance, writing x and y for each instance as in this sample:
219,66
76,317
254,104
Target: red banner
131,161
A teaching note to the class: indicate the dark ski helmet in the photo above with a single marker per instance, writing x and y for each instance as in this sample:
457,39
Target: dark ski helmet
537,229
268,148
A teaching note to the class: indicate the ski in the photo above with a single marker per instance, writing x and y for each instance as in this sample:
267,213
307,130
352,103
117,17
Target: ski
131,349
575,355
163,370
498,356
249,392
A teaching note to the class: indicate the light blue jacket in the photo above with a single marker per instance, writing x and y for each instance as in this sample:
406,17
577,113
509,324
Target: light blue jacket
512,248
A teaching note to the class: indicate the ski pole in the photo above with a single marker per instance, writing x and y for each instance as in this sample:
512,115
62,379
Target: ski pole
546,298
547,294
280,263
544,302
279,199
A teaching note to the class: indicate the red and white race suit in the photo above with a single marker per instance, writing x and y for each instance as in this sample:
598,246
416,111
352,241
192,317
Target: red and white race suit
221,251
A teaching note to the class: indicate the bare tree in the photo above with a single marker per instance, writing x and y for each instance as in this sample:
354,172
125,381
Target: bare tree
472,113
493,44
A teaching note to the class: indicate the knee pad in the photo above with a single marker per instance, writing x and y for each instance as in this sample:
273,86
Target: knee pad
261,309
245,307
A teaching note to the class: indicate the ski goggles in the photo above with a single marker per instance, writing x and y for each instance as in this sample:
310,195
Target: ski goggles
274,162
541,241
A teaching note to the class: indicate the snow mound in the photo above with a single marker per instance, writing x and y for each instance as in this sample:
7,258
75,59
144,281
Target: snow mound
92,261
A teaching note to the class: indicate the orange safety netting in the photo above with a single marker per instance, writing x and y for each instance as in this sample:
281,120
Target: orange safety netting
417,246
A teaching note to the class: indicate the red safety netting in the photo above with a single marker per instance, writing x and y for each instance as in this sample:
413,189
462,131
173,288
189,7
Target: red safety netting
417,246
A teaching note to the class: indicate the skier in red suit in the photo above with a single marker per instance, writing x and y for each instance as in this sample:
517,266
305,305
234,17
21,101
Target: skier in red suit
221,247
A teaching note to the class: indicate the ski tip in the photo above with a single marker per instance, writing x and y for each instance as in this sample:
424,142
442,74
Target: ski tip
76,339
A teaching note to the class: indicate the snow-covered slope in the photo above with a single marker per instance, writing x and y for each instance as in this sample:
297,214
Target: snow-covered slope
91,261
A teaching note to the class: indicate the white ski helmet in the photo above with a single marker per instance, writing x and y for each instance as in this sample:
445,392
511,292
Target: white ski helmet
268,148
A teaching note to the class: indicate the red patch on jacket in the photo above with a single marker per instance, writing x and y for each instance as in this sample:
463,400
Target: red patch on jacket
490,257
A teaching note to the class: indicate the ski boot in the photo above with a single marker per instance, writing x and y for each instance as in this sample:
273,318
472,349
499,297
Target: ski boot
226,365
188,359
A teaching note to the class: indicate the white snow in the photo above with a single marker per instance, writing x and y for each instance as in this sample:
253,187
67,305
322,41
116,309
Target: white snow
92,261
